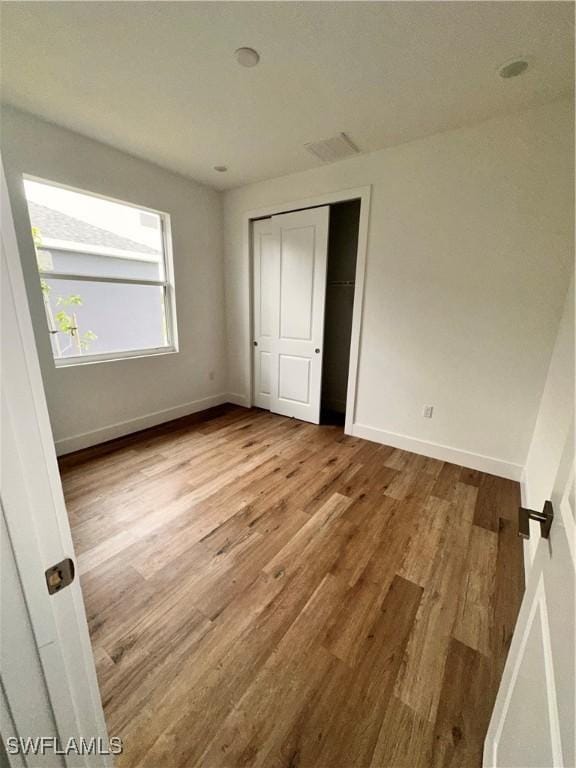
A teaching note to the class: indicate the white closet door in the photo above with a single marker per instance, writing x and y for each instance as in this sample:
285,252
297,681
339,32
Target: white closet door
290,255
266,297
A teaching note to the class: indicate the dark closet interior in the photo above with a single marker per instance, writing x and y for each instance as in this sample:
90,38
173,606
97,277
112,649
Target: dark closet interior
340,283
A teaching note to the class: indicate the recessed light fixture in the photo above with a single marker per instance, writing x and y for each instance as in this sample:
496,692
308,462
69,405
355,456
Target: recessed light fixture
221,168
247,57
513,68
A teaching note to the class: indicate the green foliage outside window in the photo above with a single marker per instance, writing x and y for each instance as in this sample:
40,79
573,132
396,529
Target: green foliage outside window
63,321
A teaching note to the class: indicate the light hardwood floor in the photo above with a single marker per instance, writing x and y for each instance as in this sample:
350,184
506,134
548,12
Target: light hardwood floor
265,592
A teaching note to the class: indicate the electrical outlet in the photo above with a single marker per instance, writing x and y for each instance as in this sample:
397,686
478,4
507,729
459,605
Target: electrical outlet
428,411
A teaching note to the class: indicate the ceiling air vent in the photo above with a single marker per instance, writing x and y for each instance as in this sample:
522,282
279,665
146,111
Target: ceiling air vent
330,150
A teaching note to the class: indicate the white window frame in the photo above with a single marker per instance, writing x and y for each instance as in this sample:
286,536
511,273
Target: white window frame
167,284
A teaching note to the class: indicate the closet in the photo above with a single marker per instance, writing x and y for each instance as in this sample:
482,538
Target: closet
303,268
339,303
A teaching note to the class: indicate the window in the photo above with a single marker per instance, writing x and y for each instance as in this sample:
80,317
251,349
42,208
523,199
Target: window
105,274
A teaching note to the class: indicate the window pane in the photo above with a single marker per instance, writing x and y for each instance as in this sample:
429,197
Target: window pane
70,263
76,233
97,318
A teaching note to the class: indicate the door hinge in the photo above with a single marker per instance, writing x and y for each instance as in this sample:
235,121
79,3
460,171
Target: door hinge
545,519
60,575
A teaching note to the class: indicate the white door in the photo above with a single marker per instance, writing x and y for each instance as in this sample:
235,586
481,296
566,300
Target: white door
289,256
532,725
49,686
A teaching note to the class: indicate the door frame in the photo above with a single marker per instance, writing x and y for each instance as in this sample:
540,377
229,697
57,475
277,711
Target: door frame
40,534
358,193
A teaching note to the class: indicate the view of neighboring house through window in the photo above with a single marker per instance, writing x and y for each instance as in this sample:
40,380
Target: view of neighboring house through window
104,274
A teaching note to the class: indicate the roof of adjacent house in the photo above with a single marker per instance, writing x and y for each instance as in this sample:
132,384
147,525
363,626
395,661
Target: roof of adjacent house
56,225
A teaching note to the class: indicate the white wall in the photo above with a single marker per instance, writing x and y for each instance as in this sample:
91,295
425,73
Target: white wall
554,421
91,403
469,251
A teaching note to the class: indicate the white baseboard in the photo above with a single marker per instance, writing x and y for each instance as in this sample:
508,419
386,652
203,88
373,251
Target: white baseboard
101,435
236,399
434,450
467,459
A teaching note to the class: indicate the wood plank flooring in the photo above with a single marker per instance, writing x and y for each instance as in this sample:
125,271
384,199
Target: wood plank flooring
265,592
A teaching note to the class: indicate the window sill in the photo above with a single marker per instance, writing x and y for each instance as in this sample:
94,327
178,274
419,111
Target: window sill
113,357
